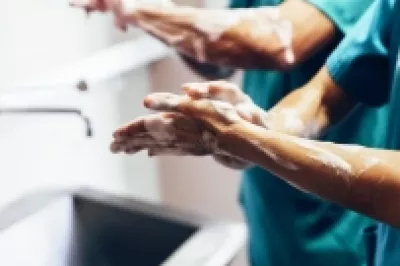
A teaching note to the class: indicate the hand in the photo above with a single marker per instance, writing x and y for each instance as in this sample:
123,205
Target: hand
195,127
232,94
162,134
228,92
125,11
217,91
285,117
244,106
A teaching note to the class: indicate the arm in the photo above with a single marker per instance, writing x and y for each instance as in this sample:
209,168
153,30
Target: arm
269,37
365,180
311,110
362,179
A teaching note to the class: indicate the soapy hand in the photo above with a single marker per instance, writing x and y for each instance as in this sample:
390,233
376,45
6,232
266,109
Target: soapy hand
285,118
230,93
221,91
164,133
227,92
223,96
185,126
244,106
125,11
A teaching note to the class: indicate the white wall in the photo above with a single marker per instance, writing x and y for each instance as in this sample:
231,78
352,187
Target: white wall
52,150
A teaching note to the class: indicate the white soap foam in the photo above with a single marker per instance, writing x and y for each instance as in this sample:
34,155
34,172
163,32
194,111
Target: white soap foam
328,158
226,110
215,23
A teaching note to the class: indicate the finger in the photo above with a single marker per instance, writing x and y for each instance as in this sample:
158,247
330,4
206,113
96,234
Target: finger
216,90
164,101
120,10
160,127
177,103
252,113
133,150
138,125
131,128
213,114
227,91
169,151
181,149
120,23
185,124
127,147
135,144
245,112
197,90
116,147
145,141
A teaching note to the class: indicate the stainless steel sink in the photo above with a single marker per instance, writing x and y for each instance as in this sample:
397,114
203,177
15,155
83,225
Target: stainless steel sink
90,228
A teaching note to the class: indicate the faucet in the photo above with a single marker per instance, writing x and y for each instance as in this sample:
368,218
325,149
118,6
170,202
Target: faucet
40,110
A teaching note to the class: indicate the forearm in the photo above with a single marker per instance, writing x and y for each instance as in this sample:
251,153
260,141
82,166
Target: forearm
362,179
311,110
268,38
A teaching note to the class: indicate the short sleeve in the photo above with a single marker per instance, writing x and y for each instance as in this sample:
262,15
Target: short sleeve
360,64
344,13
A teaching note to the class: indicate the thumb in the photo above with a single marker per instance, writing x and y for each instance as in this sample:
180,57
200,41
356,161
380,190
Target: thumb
166,102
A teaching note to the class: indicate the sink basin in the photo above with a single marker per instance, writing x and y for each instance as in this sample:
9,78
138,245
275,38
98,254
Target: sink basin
91,228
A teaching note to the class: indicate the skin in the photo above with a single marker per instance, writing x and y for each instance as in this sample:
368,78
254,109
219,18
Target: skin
361,188
240,45
349,179
237,47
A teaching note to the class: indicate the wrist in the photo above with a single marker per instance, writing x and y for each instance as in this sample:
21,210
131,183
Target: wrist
236,135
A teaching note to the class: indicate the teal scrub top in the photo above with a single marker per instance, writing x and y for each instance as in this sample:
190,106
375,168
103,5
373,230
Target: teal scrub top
367,66
288,227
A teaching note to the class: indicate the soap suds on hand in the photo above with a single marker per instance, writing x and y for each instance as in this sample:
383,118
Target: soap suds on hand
350,148
214,23
329,159
130,6
226,110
